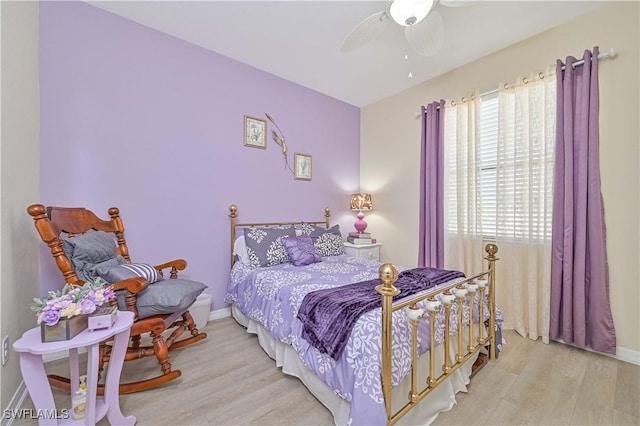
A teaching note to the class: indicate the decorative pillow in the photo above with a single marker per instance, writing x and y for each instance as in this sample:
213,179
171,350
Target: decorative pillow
305,229
328,242
329,245
240,250
318,231
264,245
101,270
89,249
114,273
301,250
164,297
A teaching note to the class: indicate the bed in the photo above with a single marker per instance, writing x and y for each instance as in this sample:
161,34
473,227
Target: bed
368,371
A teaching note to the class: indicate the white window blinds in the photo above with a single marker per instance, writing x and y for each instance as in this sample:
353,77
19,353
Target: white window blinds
499,157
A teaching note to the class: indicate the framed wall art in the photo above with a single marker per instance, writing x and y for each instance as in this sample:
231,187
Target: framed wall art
255,132
302,166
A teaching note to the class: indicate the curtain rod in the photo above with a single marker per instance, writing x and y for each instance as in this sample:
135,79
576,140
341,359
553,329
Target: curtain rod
602,57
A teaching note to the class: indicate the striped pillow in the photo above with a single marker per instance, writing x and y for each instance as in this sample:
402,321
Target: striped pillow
143,270
112,272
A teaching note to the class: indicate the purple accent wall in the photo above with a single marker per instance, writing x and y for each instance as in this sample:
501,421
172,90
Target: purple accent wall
140,120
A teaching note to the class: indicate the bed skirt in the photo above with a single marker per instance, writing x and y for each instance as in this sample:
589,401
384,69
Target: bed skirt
443,398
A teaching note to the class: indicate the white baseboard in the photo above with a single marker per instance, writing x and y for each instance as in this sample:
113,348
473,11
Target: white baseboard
219,314
622,354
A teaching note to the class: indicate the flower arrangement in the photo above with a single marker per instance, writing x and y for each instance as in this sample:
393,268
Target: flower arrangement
72,300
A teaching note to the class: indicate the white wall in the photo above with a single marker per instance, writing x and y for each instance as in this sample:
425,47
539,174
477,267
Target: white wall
19,179
390,144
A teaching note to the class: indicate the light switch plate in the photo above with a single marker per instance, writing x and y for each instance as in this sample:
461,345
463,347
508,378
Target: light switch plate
5,349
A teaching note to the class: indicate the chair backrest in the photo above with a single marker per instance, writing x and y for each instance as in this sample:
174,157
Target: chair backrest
55,224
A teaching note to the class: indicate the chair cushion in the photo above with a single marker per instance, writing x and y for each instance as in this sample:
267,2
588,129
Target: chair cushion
164,297
89,249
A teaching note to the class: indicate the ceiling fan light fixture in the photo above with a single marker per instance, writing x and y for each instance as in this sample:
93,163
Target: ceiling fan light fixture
410,12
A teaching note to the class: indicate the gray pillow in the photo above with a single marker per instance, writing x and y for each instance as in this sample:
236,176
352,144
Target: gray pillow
89,249
164,297
321,230
101,270
306,228
264,245
328,242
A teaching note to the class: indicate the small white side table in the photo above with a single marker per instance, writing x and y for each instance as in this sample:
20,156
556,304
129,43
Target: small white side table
363,251
31,348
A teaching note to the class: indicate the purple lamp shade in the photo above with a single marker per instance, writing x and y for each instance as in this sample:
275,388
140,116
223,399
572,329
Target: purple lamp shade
360,203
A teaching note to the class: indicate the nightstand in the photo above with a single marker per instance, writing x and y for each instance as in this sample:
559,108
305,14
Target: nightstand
31,350
363,251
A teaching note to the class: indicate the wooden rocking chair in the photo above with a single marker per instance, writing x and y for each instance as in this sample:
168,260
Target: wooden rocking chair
84,246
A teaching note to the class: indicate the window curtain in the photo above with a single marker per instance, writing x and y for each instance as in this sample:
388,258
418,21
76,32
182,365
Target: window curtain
499,186
463,205
431,228
524,197
580,310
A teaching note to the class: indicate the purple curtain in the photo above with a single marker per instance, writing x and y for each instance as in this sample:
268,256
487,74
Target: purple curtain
580,311
431,230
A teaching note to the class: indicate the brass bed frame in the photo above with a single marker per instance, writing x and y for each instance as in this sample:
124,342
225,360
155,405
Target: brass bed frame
458,292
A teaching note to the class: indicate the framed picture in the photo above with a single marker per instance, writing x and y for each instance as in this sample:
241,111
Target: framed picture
302,163
255,132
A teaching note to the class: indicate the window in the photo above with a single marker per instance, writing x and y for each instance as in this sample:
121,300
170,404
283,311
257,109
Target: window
499,165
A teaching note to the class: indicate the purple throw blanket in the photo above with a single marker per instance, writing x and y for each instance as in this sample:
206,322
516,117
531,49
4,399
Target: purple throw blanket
328,315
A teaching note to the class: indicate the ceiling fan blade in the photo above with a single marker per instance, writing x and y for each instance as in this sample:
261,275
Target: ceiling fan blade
427,36
457,3
365,31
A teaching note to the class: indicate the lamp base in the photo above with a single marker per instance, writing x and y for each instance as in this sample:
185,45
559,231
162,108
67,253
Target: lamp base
360,224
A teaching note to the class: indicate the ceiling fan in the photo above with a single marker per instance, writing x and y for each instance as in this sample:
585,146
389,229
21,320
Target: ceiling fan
424,27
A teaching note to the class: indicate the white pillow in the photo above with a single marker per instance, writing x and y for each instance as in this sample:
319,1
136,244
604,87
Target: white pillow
240,250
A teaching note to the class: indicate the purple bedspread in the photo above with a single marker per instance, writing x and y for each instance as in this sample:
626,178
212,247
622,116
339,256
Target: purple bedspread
271,298
329,315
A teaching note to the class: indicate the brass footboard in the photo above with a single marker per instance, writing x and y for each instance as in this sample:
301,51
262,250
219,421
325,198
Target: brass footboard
457,293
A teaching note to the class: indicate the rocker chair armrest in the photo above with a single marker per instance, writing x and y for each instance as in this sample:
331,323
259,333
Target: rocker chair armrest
132,287
175,265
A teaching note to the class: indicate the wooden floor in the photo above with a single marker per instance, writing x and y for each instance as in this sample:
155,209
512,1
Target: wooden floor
228,380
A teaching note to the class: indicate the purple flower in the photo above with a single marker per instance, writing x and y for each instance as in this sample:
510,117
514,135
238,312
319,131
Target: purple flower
87,306
50,317
91,295
59,303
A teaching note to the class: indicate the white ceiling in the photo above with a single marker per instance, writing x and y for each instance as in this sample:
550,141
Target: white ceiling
300,40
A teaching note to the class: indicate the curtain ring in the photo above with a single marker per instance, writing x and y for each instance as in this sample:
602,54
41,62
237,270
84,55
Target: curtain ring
464,99
524,80
453,102
506,86
541,75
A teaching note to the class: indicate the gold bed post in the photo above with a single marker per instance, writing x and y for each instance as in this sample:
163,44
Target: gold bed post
233,214
327,217
388,275
491,250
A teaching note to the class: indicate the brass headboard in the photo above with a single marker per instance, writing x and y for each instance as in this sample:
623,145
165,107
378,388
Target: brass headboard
233,214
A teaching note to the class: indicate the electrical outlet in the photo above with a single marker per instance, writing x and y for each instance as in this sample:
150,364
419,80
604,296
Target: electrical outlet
5,349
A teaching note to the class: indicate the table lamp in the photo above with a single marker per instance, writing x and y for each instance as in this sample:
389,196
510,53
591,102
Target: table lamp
360,203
